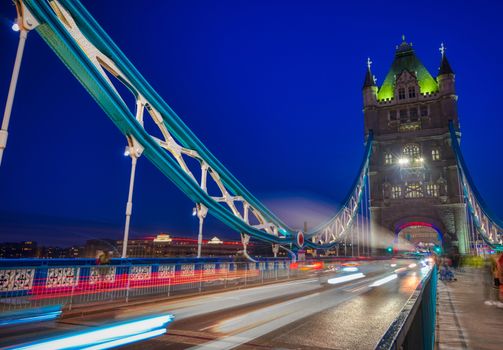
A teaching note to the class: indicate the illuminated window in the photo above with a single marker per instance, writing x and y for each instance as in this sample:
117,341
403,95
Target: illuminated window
396,192
432,190
424,111
412,91
401,94
435,154
412,151
413,190
388,158
392,115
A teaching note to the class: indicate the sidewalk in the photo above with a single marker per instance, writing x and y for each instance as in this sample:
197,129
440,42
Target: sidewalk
465,318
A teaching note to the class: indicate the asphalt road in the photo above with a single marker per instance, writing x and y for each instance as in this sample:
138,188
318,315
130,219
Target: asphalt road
312,313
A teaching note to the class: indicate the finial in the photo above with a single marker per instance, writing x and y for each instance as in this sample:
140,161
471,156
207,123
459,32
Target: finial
374,79
403,37
369,63
442,49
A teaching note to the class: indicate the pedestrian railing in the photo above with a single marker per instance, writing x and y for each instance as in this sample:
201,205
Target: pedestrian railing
414,328
35,286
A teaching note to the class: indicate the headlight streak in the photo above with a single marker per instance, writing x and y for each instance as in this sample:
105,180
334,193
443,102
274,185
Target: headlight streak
350,269
411,266
346,278
384,280
105,337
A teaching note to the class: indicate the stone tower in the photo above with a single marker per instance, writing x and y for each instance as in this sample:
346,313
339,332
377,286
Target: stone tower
413,172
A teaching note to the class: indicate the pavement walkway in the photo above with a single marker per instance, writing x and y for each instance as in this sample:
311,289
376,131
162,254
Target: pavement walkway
468,313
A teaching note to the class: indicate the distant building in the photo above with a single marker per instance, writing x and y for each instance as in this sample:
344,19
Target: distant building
164,245
18,250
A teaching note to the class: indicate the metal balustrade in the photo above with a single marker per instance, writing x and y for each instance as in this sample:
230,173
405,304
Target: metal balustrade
70,286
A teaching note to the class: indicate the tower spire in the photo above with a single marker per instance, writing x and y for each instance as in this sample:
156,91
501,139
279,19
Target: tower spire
445,67
369,78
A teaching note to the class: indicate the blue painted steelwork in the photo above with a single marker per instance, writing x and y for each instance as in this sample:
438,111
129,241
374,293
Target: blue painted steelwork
489,226
74,35
414,328
355,195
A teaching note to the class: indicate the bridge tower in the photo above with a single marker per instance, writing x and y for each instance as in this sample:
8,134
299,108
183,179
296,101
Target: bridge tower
413,173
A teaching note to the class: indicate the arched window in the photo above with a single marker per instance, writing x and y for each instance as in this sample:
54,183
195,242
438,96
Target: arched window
413,190
412,92
435,154
401,93
412,151
388,158
396,192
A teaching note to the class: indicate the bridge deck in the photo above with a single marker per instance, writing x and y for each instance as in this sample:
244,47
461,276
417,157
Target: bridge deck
304,314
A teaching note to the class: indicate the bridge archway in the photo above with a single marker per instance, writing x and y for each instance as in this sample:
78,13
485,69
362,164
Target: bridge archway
421,234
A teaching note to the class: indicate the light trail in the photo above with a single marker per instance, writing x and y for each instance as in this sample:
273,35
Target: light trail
105,337
346,278
384,280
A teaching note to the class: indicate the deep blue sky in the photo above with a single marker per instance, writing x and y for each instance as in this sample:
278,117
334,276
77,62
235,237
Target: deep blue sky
272,88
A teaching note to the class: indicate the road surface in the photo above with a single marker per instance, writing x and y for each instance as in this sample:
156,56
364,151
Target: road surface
321,312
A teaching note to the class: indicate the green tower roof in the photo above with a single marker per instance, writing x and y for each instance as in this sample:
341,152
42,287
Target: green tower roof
405,59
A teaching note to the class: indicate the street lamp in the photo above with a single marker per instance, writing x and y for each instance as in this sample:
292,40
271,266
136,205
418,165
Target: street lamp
403,161
200,211
15,27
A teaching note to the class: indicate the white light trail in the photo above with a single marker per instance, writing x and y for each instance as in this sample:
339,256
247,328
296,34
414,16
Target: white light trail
346,278
384,280
349,269
115,334
411,266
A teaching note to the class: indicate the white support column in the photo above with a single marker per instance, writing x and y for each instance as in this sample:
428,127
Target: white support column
129,206
23,33
275,250
201,211
134,150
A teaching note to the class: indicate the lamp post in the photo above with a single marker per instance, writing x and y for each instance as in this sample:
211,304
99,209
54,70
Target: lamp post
200,211
23,33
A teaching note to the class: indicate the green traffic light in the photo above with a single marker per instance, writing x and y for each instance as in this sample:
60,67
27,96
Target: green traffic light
389,249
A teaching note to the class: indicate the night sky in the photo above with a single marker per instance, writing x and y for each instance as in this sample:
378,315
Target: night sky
272,88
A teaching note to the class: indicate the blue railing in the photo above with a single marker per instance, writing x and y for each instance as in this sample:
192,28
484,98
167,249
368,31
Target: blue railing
414,328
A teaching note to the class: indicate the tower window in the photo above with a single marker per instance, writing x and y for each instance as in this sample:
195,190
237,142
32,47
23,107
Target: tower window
435,154
412,91
432,190
403,116
412,151
413,190
424,111
392,115
413,114
401,93
388,158
396,192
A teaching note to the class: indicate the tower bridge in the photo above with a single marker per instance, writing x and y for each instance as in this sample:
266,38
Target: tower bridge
414,173
413,185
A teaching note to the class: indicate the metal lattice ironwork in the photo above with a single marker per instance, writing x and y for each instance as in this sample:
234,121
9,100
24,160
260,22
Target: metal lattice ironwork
96,61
